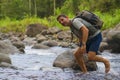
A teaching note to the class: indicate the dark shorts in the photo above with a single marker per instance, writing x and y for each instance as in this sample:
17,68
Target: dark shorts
94,43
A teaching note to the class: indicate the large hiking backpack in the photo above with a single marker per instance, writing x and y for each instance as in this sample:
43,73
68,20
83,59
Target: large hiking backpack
91,18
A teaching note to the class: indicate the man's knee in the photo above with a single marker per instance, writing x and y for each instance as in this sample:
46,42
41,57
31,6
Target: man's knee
91,55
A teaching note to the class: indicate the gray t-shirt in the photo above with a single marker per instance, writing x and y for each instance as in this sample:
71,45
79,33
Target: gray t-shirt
77,23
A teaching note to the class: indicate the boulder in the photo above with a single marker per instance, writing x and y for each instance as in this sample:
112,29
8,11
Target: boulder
114,43
5,58
67,60
34,29
111,39
7,47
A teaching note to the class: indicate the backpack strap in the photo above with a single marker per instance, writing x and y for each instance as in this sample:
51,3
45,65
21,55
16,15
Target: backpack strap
72,31
71,37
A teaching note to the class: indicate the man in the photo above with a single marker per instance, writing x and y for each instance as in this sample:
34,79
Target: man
89,38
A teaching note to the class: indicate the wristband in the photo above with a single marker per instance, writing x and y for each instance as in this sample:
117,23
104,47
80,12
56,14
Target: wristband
81,44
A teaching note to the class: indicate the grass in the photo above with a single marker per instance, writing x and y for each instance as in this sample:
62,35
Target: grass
7,24
110,20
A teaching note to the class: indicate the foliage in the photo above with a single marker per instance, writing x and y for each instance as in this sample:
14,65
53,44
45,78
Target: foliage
15,15
110,20
7,24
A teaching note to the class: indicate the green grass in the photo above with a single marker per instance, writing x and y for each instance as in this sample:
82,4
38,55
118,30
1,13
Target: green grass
110,20
6,25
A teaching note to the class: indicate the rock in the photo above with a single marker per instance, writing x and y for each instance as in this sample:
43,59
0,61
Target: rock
53,30
5,58
7,47
111,33
111,39
29,41
64,44
40,46
67,60
40,38
20,45
34,29
103,46
50,43
114,43
64,35
8,65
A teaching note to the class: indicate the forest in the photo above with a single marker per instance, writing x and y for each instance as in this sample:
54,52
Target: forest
15,15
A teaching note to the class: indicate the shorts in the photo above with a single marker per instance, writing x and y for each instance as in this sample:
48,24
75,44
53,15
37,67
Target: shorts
94,43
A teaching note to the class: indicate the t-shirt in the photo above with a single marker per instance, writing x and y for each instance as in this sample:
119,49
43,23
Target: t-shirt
77,23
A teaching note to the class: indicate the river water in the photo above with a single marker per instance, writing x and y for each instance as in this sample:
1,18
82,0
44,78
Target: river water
36,64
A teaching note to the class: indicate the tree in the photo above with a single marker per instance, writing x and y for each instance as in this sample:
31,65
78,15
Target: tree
54,1
29,7
35,4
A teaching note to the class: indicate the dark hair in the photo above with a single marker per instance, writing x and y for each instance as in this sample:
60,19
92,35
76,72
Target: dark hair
61,15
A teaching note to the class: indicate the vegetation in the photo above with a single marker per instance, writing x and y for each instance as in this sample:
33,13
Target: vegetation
15,15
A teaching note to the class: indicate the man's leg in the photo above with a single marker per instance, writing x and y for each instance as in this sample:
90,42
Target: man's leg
79,58
92,56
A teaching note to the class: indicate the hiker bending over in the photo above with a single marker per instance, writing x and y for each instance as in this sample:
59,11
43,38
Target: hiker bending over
89,40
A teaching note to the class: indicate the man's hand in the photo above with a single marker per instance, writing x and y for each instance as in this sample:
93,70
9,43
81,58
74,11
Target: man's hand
83,48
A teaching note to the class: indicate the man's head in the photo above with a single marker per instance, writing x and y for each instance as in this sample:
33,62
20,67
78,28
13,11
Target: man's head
63,19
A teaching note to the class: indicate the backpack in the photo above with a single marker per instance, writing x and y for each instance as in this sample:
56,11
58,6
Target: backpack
91,18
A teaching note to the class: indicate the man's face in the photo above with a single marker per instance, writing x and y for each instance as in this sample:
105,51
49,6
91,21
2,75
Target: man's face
64,21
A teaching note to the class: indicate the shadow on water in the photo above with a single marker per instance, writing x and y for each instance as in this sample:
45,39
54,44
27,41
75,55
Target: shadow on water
37,65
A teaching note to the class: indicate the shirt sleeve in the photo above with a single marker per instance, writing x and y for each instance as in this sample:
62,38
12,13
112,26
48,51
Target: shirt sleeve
77,23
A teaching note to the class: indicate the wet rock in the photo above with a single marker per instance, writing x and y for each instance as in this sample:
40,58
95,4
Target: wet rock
7,47
40,46
67,60
20,45
50,43
5,58
29,41
8,65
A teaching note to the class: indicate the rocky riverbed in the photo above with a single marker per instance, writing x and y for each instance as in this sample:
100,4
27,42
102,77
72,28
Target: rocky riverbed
31,55
36,64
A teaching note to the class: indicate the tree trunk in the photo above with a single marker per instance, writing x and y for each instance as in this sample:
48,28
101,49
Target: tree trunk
35,8
29,7
54,6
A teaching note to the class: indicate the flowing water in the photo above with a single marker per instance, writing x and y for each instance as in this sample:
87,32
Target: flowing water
36,64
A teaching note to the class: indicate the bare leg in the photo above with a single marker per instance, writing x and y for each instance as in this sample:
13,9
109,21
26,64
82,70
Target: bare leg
79,58
92,56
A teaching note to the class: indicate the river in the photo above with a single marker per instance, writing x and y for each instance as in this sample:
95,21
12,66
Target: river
36,64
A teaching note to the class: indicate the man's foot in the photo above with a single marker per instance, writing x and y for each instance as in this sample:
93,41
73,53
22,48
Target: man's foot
84,72
107,67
